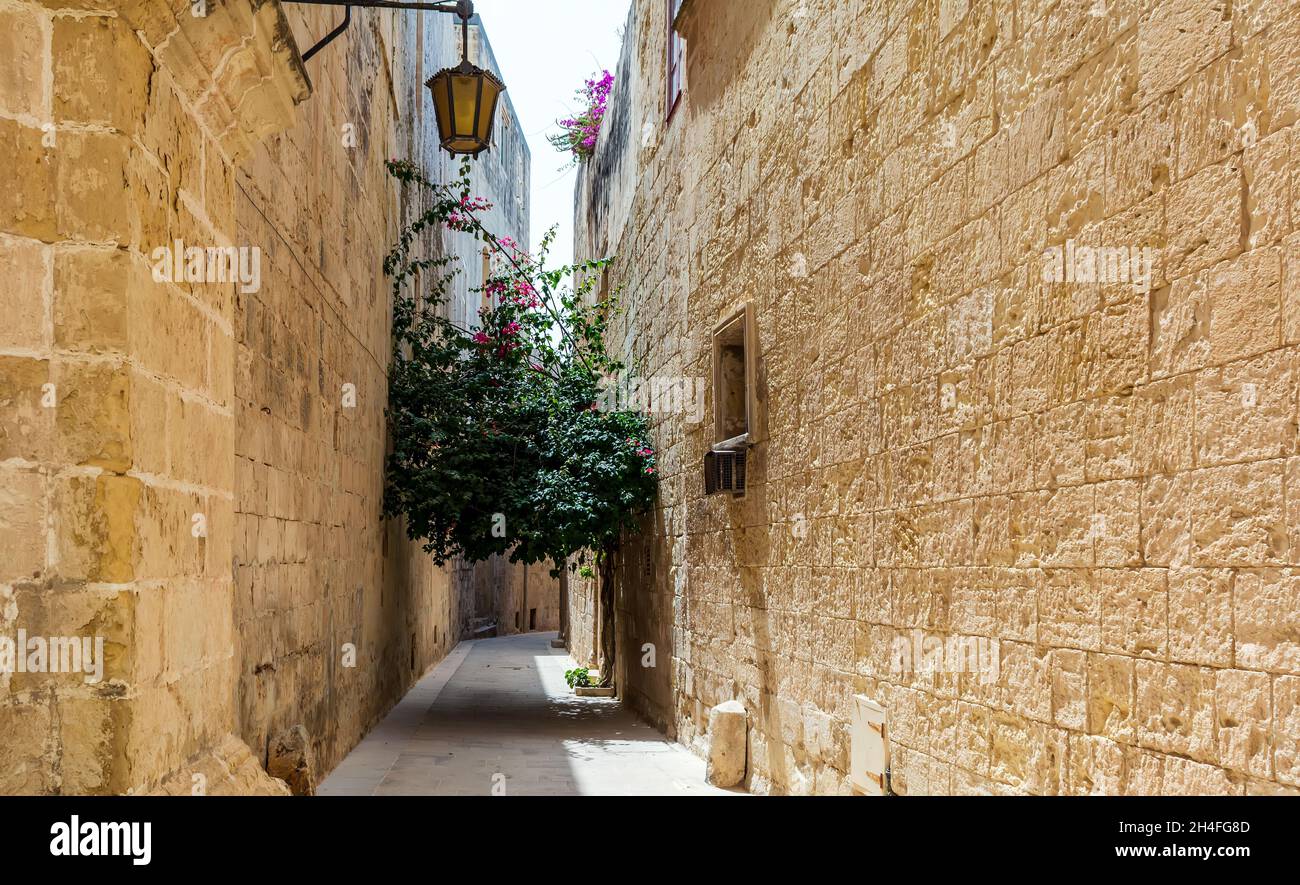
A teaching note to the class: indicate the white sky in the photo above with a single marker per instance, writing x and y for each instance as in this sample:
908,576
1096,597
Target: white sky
546,49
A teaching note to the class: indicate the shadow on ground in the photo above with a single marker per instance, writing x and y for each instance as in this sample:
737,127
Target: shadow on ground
496,718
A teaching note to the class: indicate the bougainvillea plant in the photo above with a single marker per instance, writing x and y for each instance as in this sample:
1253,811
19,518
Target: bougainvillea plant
579,133
500,445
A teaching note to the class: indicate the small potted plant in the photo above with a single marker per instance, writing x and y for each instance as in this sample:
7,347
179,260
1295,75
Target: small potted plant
585,683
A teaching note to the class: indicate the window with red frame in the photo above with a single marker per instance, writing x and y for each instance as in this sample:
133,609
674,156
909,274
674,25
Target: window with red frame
676,51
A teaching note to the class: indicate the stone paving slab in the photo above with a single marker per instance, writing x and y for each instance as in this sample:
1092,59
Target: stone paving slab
498,712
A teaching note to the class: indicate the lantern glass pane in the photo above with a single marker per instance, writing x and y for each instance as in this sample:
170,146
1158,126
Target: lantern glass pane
441,110
465,98
490,95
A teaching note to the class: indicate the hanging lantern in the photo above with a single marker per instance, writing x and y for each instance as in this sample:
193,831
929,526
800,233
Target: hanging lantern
464,97
465,102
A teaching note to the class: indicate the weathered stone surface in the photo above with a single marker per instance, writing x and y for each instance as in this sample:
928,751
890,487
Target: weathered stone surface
27,199
22,524
23,43
289,757
1266,614
95,527
26,766
180,474
101,72
90,312
27,397
1286,729
228,769
1096,474
728,727
23,265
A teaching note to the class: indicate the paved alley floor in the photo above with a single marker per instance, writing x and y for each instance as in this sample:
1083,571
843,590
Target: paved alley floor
498,712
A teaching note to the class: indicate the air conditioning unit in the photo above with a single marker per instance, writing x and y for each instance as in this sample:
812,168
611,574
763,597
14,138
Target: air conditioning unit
724,471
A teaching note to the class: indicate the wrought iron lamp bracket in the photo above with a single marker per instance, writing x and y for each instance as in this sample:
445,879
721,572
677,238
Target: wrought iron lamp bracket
462,8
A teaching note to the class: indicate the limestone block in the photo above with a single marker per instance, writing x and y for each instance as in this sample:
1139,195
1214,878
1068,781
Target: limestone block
1110,696
1244,410
149,405
290,759
1223,108
1069,678
1245,298
1286,729
24,767
156,194
95,527
1236,515
1245,719
728,727
1267,171
86,616
169,333
1143,772
22,524
91,758
227,769
27,430
27,199
1291,293
90,288
1096,765
101,72
93,414
1177,38
1203,220
245,50
1134,612
22,44
1166,526
1069,609
23,266
973,733
1175,710
1115,527
81,5
1141,153
1162,426
1266,617
171,542
1200,616
90,169
202,442
1029,755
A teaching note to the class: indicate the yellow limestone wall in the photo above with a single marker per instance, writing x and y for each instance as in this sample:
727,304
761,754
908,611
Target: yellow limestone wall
1100,481
193,471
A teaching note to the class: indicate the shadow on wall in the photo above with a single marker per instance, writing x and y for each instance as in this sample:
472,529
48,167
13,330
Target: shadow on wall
748,521
711,63
645,650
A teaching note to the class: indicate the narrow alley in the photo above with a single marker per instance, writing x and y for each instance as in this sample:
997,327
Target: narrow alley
495,717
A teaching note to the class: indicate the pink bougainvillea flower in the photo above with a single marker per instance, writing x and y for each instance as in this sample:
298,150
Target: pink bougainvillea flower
580,133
